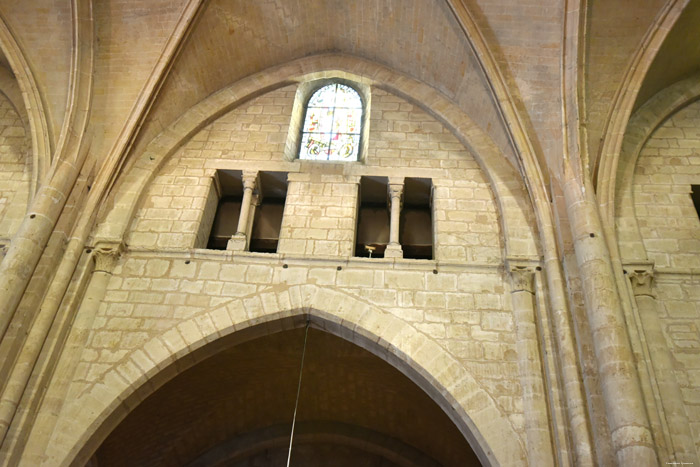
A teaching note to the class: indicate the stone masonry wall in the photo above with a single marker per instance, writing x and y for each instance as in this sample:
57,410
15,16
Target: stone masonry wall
669,163
679,309
15,169
463,309
459,301
321,199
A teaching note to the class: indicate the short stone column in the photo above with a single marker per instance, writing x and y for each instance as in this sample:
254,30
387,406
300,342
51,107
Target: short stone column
394,250
539,439
239,241
681,448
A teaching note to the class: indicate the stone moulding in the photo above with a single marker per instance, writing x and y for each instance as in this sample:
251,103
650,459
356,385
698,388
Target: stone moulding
511,195
84,423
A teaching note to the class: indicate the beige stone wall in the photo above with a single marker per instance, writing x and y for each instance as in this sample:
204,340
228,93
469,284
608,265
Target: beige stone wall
148,74
321,201
15,169
163,301
462,309
460,302
668,165
467,313
679,310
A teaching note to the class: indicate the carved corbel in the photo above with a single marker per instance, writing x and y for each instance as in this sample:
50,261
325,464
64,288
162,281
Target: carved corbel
522,274
642,281
106,255
522,279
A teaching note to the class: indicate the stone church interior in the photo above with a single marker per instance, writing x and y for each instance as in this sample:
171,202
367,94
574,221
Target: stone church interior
352,233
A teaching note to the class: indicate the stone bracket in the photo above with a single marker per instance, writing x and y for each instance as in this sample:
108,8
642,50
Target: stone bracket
522,274
106,255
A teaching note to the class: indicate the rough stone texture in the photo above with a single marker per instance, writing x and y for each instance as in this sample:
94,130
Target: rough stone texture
320,208
108,292
463,311
668,165
679,311
119,74
242,38
15,169
47,48
517,45
613,34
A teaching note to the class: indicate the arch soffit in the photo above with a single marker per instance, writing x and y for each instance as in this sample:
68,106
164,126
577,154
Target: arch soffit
641,126
94,415
510,189
33,104
10,88
606,168
370,441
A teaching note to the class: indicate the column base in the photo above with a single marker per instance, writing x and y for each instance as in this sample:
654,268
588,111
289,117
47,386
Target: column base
393,250
237,243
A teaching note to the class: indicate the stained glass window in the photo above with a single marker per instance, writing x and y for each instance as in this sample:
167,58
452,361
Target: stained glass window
331,129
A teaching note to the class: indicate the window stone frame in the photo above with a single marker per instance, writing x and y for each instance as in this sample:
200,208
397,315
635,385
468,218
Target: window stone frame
301,99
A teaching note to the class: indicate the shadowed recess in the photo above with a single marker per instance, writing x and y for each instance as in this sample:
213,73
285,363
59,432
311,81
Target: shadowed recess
235,409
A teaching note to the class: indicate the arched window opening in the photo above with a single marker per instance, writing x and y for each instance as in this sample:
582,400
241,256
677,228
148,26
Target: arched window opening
332,124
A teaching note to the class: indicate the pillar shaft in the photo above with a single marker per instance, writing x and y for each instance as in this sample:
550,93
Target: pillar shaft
394,250
539,440
239,241
622,393
249,183
672,405
28,243
106,257
395,192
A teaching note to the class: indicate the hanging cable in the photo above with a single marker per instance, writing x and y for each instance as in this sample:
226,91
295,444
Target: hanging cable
296,403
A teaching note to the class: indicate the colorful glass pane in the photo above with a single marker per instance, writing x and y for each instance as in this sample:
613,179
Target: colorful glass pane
315,146
324,97
318,120
347,120
344,147
347,97
332,124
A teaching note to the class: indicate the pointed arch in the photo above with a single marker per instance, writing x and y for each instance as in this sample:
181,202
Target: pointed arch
643,123
509,188
33,103
606,162
88,419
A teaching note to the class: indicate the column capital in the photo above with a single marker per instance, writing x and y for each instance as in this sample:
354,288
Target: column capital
106,255
395,190
642,280
522,278
249,179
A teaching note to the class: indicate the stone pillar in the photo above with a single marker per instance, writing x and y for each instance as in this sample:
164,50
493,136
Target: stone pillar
681,448
28,243
239,241
622,394
394,250
539,440
106,256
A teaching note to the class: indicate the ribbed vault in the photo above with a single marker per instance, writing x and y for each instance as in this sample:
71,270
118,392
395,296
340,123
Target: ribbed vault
235,39
678,57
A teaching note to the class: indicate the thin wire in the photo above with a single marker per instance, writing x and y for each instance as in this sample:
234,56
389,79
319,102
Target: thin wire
296,403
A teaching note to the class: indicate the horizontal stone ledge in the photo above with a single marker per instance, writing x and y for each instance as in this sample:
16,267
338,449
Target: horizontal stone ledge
279,259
